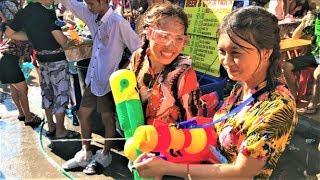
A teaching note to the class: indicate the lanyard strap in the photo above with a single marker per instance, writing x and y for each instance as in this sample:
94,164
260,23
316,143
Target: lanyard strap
193,123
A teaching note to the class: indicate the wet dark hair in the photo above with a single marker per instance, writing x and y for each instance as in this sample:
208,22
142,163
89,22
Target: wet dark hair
154,15
259,28
159,10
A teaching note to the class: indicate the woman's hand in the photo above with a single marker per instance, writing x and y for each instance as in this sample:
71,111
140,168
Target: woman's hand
148,165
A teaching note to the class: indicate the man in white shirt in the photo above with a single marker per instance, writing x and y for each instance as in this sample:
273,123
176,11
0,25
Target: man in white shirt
111,33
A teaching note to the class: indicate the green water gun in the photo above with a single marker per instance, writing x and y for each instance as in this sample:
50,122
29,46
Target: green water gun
128,106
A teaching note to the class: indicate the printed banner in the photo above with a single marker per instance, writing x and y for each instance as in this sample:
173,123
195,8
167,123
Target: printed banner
204,19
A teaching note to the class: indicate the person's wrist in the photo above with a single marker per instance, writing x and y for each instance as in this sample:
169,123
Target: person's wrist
188,172
66,44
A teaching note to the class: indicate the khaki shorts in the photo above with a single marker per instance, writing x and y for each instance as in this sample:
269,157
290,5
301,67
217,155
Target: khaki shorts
102,103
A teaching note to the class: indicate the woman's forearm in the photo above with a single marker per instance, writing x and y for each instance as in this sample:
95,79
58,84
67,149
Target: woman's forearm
243,168
209,171
20,36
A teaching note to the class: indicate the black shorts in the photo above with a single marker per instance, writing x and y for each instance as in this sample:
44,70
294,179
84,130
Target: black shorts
10,71
302,62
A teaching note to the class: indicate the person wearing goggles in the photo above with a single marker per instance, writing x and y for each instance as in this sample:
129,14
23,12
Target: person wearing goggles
166,38
167,83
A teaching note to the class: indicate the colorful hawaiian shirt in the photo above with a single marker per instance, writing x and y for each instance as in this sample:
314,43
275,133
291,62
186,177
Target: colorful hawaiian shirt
260,130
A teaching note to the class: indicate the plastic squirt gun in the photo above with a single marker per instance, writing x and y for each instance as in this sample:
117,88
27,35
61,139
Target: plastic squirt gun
185,142
191,141
128,106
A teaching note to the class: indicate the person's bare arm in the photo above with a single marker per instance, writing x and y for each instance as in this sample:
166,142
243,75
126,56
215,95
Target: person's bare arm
62,39
244,168
297,33
20,35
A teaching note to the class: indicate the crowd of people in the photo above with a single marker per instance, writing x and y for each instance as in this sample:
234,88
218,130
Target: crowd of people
260,112
305,30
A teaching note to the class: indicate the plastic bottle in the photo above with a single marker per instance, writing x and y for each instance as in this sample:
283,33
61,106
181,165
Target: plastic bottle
26,68
73,34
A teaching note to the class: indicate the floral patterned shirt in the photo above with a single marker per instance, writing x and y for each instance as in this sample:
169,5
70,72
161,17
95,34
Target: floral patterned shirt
260,130
22,49
169,96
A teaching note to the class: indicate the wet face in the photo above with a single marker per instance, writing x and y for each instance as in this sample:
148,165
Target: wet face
167,40
241,59
93,5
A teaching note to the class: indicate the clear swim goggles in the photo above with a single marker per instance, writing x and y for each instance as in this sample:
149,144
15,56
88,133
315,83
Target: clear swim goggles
165,38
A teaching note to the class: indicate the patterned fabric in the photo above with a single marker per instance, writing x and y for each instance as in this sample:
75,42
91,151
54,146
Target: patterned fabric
309,33
55,86
22,49
170,95
9,9
260,130
49,52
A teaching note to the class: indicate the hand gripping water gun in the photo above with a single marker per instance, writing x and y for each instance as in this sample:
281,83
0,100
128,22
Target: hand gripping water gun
179,144
128,105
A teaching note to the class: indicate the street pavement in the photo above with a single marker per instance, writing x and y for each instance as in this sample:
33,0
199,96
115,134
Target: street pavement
22,156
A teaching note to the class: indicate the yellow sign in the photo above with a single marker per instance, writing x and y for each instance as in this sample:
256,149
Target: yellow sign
204,19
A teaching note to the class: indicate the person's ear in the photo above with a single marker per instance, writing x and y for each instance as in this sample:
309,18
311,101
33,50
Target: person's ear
266,53
186,40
